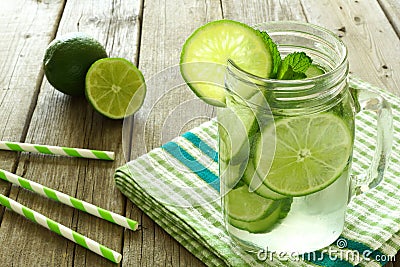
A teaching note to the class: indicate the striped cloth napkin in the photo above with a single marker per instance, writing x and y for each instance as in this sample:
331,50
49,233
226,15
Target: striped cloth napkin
177,186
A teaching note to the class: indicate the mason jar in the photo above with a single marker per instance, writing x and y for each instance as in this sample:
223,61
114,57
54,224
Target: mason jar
285,146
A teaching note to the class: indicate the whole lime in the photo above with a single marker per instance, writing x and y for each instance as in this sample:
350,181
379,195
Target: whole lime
67,60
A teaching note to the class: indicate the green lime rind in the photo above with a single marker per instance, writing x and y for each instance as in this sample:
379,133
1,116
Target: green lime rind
205,54
246,206
311,153
67,60
115,87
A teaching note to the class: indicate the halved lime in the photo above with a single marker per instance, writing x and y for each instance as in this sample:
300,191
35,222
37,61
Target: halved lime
115,87
206,52
311,153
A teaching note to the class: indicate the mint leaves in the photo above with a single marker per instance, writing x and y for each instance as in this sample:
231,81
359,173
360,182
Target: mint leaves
292,67
276,56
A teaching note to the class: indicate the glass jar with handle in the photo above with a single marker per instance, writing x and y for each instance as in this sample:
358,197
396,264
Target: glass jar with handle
285,146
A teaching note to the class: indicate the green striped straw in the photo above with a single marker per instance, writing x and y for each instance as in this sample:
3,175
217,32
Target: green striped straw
61,229
68,200
57,150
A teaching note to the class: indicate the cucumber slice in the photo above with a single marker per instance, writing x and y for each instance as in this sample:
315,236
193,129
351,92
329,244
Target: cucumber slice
314,70
205,54
262,225
229,174
255,184
264,152
237,123
243,205
286,204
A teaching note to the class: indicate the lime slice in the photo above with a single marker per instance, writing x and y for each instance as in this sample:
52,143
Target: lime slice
206,52
255,184
115,87
246,206
311,153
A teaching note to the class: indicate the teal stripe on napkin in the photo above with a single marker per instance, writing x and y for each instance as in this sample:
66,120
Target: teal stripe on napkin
204,147
188,160
171,185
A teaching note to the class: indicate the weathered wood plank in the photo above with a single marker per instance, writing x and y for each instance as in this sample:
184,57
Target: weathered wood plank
166,25
392,11
62,120
372,43
253,12
371,40
26,27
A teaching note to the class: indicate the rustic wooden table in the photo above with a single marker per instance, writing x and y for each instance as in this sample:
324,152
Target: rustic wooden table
150,33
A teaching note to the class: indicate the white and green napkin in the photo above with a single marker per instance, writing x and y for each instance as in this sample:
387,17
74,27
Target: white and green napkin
177,186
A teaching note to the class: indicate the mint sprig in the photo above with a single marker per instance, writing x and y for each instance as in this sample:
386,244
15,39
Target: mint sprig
294,66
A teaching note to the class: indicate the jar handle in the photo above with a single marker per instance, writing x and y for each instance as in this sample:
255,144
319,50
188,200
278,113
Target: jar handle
371,101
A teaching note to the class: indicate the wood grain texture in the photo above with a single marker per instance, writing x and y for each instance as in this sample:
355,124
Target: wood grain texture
26,29
371,40
253,12
150,33
392,11
166,25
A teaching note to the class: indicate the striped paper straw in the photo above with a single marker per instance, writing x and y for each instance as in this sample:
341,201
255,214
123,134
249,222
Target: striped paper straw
61,229
68,200
57,150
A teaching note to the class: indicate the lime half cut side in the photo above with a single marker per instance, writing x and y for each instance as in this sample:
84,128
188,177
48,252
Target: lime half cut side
206,52
311,153
115,87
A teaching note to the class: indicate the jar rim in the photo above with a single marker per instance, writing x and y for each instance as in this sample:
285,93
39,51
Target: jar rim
301,82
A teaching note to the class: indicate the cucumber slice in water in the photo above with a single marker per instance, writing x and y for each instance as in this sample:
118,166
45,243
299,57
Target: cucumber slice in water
230,175
237,124
245,206
267,223
314,70
205,54
259,226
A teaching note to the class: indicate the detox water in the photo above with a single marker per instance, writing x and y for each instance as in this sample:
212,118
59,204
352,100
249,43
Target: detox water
284,216
313,222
